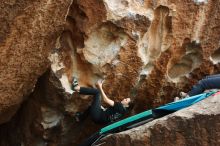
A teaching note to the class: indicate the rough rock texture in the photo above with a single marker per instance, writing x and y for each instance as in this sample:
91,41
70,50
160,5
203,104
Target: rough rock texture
197,125
28,32
145,49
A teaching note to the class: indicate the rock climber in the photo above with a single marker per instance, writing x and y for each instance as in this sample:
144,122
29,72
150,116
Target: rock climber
99,115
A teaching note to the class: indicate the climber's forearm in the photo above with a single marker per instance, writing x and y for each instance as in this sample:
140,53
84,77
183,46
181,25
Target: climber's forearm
105,98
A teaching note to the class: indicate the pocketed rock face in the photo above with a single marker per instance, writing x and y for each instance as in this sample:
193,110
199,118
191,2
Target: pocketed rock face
180,47
28,32
195,125
144,49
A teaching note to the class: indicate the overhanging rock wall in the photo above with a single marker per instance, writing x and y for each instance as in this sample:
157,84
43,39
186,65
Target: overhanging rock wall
146,50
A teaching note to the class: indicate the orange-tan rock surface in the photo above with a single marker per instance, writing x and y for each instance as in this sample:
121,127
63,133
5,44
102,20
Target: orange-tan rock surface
28,32
147,50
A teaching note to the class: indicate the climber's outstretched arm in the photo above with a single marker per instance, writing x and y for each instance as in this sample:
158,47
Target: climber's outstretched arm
105,98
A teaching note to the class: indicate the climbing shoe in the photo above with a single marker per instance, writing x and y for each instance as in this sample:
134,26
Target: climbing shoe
183,94
176,99
74,83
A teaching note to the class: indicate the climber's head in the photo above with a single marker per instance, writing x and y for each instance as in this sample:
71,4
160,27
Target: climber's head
128,103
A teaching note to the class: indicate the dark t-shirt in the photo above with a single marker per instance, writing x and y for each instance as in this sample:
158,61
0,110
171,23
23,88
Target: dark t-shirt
113,113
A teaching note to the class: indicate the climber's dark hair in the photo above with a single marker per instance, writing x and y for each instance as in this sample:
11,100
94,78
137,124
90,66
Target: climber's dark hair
130,105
